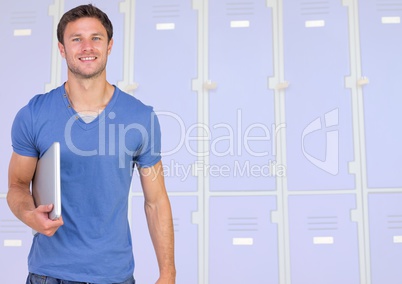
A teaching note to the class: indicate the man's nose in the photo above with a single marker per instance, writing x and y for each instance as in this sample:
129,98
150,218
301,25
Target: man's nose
87,45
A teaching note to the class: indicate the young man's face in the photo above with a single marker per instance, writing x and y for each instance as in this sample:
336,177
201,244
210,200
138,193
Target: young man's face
85,48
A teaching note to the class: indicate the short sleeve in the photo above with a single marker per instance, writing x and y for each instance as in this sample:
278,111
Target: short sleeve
150,153
22,136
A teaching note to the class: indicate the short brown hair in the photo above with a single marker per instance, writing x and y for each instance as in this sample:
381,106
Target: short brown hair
84,11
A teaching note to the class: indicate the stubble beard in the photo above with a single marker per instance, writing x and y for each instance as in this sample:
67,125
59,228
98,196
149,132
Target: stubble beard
75,70
81,75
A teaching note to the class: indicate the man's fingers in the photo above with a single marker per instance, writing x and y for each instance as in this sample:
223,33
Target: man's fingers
50,227
45,208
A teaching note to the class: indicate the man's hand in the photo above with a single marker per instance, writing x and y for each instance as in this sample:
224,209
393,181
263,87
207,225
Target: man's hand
166,280
20,200
38,220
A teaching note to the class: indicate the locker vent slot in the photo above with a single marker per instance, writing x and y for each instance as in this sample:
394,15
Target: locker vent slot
322,223
389,5
314,8
23,18
166,11
242,224
12,226
240,8
394,222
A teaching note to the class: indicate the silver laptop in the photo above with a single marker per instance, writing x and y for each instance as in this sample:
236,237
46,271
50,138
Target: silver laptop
46,181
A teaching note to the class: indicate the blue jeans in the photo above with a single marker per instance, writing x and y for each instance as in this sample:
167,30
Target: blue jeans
39,279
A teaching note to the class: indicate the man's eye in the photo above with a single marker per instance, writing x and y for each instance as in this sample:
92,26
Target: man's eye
76,39
96,38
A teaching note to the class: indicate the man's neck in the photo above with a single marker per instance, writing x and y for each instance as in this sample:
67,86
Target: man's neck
89,94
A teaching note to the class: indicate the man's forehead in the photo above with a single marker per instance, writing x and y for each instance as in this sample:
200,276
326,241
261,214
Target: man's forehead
85,25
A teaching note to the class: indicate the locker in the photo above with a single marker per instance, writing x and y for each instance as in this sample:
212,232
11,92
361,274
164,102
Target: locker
186,241
323,239
165,63
385,219
381,61
15,243
241,107
26,34
242,240
318,106
114,66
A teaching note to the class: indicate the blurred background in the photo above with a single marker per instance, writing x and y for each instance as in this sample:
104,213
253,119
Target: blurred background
281,144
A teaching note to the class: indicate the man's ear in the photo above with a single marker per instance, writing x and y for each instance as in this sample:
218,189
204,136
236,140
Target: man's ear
62,50
109,47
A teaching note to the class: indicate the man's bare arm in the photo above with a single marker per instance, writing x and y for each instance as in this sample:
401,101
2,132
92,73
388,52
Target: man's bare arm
159,218
20,200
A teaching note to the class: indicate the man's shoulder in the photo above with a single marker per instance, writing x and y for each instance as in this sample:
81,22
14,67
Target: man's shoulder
134,103
45,98
41,101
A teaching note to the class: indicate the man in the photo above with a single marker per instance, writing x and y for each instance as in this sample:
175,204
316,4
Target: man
103,132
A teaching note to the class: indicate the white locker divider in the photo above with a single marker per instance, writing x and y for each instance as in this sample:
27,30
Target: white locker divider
385,222
241,106
15,243
243,240
318,106
186,241
26,27
323,239
381,61
165,62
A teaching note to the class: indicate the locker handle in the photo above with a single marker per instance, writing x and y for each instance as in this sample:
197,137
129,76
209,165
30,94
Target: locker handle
131,87
209,85
363,81
282,85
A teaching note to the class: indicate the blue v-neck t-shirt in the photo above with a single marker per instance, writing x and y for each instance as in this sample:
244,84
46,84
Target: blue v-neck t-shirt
97,161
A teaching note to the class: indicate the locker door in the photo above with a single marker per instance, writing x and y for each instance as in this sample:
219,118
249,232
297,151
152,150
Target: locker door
26,37
165,64
242,241
186,241
241,107
385,219
323,240
115,61
25,31
318,107
15,243
381,60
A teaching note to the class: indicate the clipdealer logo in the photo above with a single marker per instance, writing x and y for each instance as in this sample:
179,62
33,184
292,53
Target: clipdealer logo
238,142
250,147
330,164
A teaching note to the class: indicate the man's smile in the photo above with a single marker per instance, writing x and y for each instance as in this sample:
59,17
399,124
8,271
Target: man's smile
89,58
